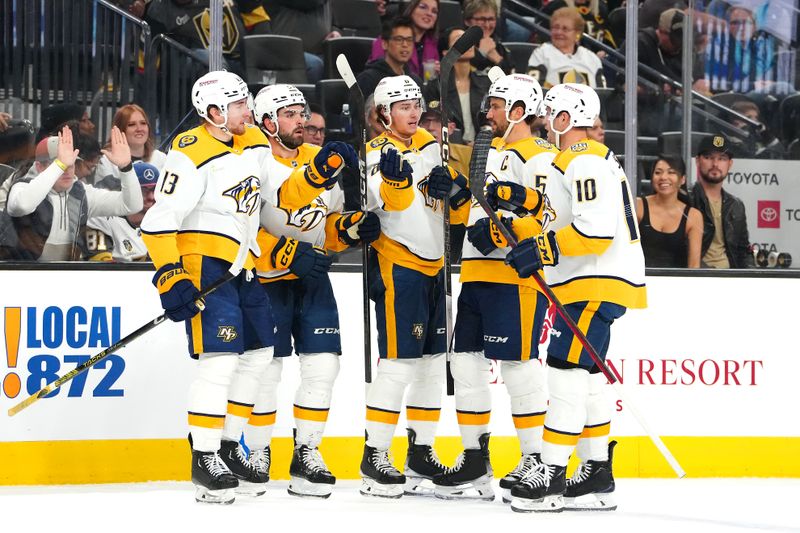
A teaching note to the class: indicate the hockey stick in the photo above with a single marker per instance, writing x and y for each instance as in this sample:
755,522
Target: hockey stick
468,39
357,99
477,183
232,272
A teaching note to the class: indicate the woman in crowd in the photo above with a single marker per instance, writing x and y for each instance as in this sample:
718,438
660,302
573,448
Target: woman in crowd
490,51
132,121
671,230
424,62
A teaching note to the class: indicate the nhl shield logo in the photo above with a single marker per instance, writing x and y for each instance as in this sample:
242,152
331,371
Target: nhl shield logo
246,194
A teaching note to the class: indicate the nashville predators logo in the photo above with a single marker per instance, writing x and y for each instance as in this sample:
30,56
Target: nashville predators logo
417,330
308,217
246,194
422,187
227,333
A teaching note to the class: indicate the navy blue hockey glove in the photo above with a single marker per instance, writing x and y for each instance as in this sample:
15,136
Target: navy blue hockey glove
513,197
301,258
485,235
395,170
532,254
323,171
356,227
446,182
177,292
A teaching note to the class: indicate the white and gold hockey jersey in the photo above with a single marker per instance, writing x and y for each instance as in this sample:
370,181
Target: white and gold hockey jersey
526,162
580,67
206,185
411,222
114,239
600,256
312,223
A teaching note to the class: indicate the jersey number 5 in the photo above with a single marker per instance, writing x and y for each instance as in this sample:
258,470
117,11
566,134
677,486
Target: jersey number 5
169,183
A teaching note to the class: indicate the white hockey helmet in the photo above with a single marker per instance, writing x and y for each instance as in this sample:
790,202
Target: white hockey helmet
220,89
273,98
580,101
515,88
396,89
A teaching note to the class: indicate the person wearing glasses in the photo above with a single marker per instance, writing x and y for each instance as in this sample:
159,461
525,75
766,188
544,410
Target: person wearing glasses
314,129
490,51
397,41
424,58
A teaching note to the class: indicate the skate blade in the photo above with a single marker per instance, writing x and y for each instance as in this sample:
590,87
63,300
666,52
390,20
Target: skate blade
252,490
370,487
507,496
418,486
548,504
222,496
303,488
591,502
480,490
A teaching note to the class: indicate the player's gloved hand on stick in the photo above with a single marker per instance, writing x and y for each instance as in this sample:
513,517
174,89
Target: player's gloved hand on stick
513,197
301,258
358,227
532,254
486,236
445,182
177,292
395,170
324,169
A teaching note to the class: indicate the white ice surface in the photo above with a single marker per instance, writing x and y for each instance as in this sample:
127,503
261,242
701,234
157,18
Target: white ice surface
645,505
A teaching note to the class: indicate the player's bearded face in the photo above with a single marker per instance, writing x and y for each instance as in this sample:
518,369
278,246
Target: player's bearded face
496,116
290,126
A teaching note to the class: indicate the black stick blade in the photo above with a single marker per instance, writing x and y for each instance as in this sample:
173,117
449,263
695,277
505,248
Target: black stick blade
477,165
470,38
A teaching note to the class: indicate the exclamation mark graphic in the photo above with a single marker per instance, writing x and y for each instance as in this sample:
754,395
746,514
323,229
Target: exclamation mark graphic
13,323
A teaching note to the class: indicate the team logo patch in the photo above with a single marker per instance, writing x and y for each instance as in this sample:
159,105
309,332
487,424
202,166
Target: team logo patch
417,330
127,245
542,142
308,217
247,195
579,147
717,141
380,141
227,333
186,140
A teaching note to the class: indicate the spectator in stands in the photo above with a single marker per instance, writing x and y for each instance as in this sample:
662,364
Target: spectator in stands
133,122
314,129
594,13
564,60
55,116
671,230
397,40
116,238
46,210
88,158
374,124
490,52
651,10
4,119
424,58
766,145
597,132
725,236
311,21
431,121
16,143
466,90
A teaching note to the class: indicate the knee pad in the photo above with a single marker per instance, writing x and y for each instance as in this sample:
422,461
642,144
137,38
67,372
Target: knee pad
272,375
397,371
319,370
255,362
430,370
570,386
471,370
522,377
217,368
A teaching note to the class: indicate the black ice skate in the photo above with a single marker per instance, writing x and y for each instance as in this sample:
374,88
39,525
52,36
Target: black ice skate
591,487
261,460
527,463
422,464
214,481
251,481
542,490
379,476
309,474
470,478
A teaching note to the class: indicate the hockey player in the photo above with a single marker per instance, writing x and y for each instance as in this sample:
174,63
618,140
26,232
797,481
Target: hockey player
594,263
207,206
500,315
302,299
407,288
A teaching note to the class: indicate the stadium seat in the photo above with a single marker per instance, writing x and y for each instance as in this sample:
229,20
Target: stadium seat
616,24
793,151
671,142
356,18
450,14
280,54
331,95
309,91
790,117
615,139
356,49
520,54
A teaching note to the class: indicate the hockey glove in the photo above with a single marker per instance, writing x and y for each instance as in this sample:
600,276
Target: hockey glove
357,227
324,169
301,258
532,254
445,182
513,197
395,170
178,293
486,236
